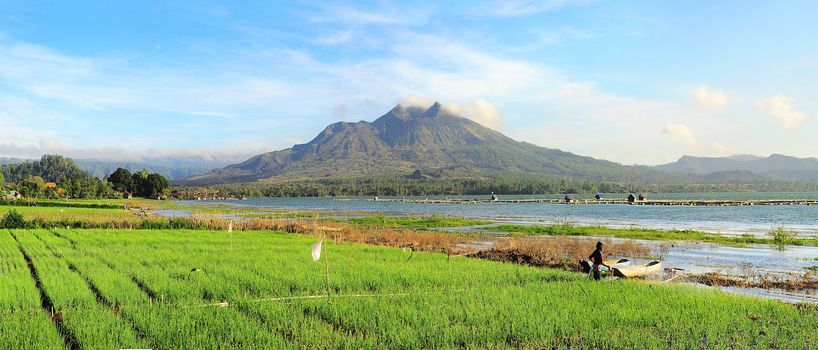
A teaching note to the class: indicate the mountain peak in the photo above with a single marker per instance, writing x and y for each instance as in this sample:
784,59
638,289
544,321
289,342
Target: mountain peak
436,110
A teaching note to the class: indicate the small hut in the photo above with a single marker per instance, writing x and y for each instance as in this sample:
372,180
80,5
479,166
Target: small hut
631,198
642,197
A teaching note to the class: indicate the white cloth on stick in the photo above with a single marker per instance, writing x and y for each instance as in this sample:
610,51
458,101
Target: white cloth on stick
316,251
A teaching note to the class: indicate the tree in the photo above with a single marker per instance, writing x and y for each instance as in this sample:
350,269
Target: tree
156,184
32,186
122,180
2,181
145,184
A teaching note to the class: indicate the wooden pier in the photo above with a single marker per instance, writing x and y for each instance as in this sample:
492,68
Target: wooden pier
665,202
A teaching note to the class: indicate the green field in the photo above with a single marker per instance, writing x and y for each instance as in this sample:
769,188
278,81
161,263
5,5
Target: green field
143,288
68,214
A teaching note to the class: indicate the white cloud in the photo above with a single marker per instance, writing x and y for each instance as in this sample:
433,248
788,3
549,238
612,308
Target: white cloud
710,98
52,146
480,111
721,149
337,38
101,84
782,109
477,110
681,134
416,101
516,8
385,15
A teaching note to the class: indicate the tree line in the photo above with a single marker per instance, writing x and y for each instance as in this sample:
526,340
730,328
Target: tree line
56,176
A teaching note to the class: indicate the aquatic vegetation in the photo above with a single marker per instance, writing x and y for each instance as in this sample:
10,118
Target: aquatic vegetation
431,221
781,237
152,288
568,229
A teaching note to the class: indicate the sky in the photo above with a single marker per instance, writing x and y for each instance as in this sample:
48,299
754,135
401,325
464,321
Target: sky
636,82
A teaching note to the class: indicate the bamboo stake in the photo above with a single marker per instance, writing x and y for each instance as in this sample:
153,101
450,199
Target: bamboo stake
326,265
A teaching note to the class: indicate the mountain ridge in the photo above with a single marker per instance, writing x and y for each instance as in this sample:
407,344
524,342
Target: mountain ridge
775,166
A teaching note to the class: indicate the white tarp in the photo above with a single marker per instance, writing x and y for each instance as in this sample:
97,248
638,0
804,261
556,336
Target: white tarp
316,251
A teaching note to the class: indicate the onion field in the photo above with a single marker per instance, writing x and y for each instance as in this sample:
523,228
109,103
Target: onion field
172,289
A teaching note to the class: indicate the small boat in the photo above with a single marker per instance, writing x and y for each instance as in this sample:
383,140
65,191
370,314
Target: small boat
637,270
586,265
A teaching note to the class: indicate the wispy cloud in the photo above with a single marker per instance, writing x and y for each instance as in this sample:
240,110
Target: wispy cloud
385,14
515,8
100,83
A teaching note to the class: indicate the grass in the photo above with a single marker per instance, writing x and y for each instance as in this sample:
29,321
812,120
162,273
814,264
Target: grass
567,229
416,222
143,288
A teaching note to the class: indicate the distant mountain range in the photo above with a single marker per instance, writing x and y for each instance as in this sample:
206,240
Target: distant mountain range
431,140
776,166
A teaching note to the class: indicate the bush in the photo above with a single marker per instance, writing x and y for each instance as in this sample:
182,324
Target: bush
782,237
13,219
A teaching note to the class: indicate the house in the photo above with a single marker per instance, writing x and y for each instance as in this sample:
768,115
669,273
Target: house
126,195
50,185
12,196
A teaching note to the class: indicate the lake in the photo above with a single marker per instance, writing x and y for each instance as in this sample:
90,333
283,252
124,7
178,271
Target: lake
756,220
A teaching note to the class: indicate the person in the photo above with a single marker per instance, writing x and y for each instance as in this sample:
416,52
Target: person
494,197
598,261
567,199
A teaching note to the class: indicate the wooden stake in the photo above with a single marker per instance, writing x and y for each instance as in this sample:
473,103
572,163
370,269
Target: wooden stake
326,265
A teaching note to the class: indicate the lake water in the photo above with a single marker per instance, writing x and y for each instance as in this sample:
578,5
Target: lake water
757,220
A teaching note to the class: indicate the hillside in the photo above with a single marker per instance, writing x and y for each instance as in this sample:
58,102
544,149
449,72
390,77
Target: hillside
432,140
774,167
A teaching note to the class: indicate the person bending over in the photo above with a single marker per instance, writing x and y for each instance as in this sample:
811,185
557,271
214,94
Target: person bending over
596,259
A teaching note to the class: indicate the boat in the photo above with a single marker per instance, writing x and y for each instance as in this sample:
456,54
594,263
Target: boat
637,270
586,265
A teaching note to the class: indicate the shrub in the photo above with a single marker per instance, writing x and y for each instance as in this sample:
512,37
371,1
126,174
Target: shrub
13,219
782,237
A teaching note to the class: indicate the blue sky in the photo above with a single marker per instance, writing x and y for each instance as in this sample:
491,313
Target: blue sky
631,81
